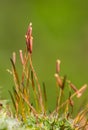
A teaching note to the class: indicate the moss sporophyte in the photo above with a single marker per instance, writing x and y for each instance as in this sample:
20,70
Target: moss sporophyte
36,116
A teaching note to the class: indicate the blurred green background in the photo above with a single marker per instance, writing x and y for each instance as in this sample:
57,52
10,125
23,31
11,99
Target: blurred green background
60,30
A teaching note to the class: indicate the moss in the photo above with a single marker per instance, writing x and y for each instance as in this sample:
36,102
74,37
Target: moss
37,117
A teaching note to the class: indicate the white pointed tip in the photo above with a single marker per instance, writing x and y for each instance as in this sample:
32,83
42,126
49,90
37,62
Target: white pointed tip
30,24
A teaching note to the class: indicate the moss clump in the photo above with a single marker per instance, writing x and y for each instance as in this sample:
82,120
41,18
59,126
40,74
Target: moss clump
37,117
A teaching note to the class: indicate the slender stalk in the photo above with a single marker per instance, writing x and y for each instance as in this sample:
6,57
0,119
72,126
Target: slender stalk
39,88
59,107
31,107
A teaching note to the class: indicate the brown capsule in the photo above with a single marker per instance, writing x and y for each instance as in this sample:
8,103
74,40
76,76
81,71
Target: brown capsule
14,57
29,38
81,91
21,57
58,80
73,87
71,102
